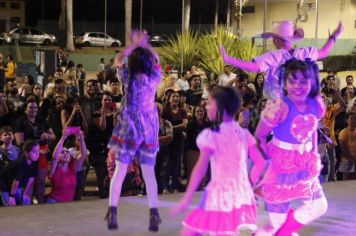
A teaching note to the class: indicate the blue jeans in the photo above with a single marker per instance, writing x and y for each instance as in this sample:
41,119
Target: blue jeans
5,197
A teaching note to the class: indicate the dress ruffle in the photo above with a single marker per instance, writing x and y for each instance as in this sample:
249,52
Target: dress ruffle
219,222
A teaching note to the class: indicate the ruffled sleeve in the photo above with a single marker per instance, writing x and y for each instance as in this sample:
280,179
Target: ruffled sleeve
205,141
275,112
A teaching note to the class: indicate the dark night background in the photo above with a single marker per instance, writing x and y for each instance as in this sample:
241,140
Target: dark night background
157,11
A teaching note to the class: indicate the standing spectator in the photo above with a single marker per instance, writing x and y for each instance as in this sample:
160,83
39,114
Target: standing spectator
25,88
57,90
17,179
54,118
2,72
194,93
104,122
165,136
101,66
73,115
64,168
115,89
347,139
81,76
11,68
8,151
182,82
349,83
92,100
228,76
258,83
72,72
179,119
195,126
110,69
14,102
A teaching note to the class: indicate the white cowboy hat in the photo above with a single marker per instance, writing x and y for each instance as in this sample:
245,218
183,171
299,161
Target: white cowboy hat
284,30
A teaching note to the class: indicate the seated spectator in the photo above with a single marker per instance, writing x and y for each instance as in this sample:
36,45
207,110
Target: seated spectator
25,88
54,117
169,85
115,88
14,101
194,93
183,103
18,177
347,139
351,106
7,149
258,83
63,172
57,90
81,75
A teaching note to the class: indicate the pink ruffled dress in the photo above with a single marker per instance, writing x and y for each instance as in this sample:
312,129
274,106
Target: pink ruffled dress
295,162
228,202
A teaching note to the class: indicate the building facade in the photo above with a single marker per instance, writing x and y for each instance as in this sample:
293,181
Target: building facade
12,13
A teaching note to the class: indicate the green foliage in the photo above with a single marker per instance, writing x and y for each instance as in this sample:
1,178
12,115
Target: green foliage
340,63
209,51
210,44
171,53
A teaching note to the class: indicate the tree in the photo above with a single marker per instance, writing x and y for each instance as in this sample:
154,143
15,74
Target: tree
66,23
186,15
128,20
70,42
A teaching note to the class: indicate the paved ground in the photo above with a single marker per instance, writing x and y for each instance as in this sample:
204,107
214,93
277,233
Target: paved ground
86,217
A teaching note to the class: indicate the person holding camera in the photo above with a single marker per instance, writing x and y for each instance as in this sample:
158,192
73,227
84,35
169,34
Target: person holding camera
63,170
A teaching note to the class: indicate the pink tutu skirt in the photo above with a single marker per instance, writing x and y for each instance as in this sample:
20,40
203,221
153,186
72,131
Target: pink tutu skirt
291,176
219,222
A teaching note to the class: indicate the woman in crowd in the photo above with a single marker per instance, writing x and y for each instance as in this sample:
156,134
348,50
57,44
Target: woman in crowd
26,86
195,126
179,119
28,126
64,168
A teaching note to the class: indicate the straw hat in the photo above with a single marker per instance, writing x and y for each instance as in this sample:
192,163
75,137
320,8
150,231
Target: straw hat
284,30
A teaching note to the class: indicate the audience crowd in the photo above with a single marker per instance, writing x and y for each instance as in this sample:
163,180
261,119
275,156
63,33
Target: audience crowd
58,132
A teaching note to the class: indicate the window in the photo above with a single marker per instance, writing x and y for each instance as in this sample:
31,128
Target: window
92,35
36,32
248,9
15,20
2,5
14,5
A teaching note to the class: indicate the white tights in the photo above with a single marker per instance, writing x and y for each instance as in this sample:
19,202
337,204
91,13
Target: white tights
119,176
308,212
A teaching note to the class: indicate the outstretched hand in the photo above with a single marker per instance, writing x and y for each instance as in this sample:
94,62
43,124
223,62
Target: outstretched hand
338,30
179,208
224,54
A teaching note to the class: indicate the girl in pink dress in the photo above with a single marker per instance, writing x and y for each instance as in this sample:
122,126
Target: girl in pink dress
228,203
293,150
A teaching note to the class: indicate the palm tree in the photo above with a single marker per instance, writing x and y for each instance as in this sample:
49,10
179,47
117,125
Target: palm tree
128,20
66,22
69,21
186,15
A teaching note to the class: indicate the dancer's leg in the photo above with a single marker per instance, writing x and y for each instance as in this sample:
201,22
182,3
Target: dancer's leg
311,210
148,173
116,183
188,232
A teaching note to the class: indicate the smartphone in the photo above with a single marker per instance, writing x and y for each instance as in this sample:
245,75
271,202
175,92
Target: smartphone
73,129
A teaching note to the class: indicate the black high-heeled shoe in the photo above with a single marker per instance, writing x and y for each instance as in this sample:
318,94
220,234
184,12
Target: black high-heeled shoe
111,218
155,220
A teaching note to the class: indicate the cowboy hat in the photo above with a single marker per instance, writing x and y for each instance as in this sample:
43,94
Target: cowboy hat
284,30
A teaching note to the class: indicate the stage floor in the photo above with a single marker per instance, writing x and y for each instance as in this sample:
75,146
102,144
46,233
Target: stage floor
87,217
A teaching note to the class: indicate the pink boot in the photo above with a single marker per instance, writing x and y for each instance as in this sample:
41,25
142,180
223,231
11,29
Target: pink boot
290,226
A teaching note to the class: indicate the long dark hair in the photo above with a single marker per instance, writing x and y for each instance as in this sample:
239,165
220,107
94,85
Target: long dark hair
28,146
308,68
228,100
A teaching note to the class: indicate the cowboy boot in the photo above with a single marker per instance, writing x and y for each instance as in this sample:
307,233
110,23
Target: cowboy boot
111,218
290,226
155,220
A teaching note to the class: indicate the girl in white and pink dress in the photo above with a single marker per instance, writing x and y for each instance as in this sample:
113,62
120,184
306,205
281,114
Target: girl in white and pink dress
228,203
293,150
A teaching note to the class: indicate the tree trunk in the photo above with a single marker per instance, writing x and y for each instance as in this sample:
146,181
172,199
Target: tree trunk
128,20
70,42
62,16
186,15
216,17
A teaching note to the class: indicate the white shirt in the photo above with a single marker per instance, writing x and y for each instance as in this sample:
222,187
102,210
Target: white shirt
224,79
183,84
